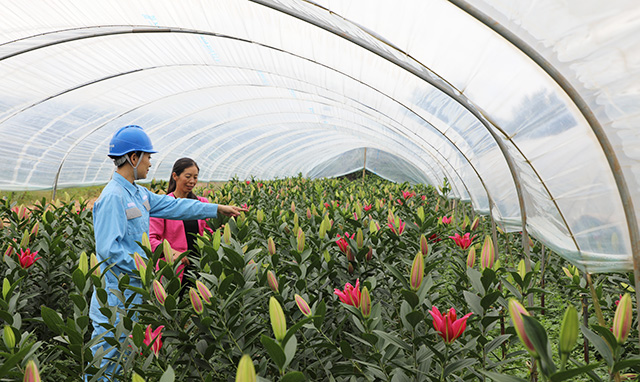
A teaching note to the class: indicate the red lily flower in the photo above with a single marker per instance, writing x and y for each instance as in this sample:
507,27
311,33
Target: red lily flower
342,242
446,220
448,327
367,207
154,336
27,258
408,194
400,226
434,238
463,242
350,295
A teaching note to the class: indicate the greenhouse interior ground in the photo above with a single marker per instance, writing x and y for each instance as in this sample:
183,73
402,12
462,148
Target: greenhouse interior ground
420,190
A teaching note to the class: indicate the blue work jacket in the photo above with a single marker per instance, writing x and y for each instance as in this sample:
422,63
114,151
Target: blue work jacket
121,216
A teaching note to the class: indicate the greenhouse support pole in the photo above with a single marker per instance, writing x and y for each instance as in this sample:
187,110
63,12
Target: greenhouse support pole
527,258
543,267
364,165
494,235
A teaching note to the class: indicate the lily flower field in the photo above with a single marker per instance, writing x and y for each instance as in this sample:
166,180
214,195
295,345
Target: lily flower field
322,280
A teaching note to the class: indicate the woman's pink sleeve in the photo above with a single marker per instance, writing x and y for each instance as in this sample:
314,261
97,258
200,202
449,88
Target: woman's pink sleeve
203,223
156,232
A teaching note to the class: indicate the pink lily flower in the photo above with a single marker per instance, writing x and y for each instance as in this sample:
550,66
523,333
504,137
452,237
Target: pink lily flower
397,227
155,337
463,242
448,327
408,194
343,244
446,220
27,258
350,295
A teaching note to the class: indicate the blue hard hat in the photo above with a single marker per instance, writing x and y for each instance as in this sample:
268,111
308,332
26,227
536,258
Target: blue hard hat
130,138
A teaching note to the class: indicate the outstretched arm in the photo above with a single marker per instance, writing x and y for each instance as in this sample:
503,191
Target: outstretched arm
231,211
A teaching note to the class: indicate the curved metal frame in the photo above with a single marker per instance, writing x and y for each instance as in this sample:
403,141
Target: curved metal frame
446,89
587,113
127,30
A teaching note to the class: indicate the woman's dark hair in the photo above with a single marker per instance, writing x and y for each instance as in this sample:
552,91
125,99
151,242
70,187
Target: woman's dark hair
178,167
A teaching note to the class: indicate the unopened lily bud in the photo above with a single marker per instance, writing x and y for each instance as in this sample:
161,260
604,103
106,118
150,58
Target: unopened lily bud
350,268
296,222
167,251
6,285
226,237
322,231
24,243
373,227
303,305
260,216
216,240
369,255
522,270
278,322
271,246
417,271
246,371
293,207
31,373
141,266
622,319
196,302
350,256
465,222
487,257
359,239
300,240
421,213
159,291
34,230
516,311
475,223
568,332
83,263
272,281
9,337
45,217
327,256
365,303
93,262
145,241
424,245
308,213
471,257
204,291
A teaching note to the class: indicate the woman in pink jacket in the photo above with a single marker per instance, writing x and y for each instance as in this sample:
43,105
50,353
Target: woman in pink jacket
179,233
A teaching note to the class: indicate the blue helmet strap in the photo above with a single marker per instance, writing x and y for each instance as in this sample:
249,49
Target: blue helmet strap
135,168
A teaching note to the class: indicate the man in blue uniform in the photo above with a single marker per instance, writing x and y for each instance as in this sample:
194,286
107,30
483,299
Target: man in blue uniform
121,216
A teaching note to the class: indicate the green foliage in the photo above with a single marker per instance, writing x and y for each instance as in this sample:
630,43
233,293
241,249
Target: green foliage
46,306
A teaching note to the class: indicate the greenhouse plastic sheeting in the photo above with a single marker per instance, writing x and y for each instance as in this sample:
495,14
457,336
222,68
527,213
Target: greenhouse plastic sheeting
527,108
